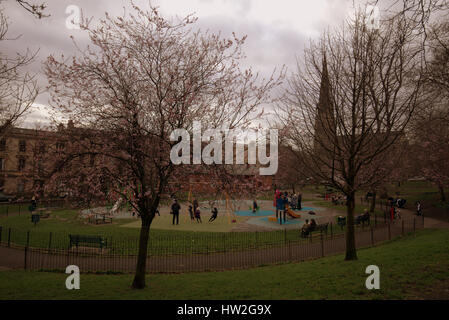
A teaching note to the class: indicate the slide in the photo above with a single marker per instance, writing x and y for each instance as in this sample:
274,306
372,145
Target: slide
291,213
116,207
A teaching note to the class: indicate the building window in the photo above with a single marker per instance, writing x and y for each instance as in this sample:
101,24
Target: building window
2,164
42,148
60,146
2,144
22,146
21,165
20,187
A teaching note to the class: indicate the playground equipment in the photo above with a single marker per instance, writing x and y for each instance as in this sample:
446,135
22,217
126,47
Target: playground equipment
227,204
291,213
230,209
116,206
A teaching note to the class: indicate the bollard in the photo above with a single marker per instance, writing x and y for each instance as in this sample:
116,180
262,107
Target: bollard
332,233
389,232
414,226
49,242
257,240
372,236
26,250
322,243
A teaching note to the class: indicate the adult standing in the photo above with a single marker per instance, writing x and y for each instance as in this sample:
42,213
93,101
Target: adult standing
299,206
284,206
175,207
392,213
279,205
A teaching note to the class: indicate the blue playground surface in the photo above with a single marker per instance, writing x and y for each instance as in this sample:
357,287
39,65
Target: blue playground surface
264,213
260,218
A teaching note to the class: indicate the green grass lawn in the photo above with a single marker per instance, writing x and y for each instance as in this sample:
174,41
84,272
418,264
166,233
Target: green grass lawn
426,193
412,191
410,267
359,208
122,235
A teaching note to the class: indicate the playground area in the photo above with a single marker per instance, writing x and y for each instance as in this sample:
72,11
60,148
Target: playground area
236,216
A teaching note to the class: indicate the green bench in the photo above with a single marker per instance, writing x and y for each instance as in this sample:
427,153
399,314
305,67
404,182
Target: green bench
319,227
75,240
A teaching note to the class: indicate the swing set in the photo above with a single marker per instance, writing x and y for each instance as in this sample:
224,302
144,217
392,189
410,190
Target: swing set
229,205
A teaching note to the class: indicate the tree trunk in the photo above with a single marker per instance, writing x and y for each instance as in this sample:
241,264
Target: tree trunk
373,202
351,253
293,188
442,194
139,278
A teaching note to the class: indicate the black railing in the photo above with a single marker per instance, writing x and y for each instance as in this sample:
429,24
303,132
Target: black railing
32,249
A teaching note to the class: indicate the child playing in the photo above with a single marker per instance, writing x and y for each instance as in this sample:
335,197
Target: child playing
198,215
255,206
214,215
192,216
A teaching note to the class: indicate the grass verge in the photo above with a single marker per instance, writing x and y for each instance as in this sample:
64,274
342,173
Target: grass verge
409,267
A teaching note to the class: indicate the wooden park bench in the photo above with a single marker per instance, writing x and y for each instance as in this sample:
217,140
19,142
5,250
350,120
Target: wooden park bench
76,239
319,227
101,218
43,213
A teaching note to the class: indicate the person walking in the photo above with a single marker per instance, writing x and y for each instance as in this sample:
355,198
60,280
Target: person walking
418,208
175,207
33,204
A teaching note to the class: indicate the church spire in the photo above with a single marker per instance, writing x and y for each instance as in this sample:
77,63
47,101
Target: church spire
325,119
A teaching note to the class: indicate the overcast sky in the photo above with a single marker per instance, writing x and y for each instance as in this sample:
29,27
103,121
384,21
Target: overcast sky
277,30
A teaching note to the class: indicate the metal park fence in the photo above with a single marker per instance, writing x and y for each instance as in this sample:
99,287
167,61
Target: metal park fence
22,207
195,252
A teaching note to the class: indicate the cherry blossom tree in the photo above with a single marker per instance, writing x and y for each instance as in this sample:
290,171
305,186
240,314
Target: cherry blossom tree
142,77
18,88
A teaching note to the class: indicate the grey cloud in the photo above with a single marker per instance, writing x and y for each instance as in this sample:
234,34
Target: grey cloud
268,45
